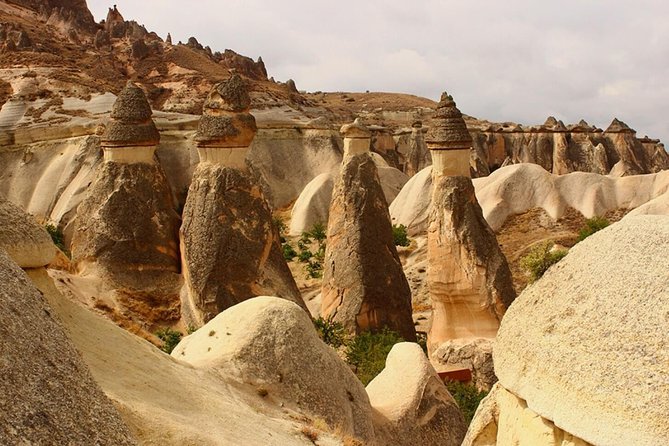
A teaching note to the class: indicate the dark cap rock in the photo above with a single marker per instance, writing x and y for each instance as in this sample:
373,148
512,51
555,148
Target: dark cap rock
131,123
448,130
618,126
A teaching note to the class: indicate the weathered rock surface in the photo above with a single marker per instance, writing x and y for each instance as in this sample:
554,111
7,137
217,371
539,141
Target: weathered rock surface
419,156
585,348
230,247
47,395
272,343
127,231
26,243
515,189
468,276
411,404
364,286
472,354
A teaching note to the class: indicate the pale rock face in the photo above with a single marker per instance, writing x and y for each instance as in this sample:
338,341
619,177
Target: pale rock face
52,396
229,244
472,354
419,156
28,244
271,342
451,162
411,404
468,277
364,286
586,347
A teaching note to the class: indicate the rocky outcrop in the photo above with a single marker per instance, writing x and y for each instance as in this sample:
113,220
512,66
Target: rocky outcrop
418,157
229,243
48,395
271,343
364,286
411,404
26,243
472,354
468,277
572,352
126,227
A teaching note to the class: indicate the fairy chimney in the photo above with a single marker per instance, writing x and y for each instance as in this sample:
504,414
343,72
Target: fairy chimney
449,140
131,135
357,138
226,128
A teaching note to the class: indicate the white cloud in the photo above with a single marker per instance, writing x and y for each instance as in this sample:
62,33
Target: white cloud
517,60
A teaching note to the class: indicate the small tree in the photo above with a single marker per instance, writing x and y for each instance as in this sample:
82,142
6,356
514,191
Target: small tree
591,226
331,332
540,258
400,235
170,339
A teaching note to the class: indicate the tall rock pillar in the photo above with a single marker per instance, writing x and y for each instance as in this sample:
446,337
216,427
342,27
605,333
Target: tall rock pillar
468,277
127,228
364,286
230,246
418,157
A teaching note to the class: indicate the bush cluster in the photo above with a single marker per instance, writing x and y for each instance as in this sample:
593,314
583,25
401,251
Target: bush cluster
311,246
367,352
57,237
591,226
467,396
400,235
330,332
170,338
540,258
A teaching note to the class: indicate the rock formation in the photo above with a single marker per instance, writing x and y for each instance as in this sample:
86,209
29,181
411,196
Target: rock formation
468,277
584,348
127,227
419,156
472,354
48,395
411,404
272,343
26,243
229,243
364,286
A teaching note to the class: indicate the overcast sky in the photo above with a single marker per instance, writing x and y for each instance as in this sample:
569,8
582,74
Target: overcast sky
516,60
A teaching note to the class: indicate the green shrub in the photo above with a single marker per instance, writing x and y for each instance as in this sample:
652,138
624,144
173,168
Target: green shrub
540,258
400,235
289,252
367,353
331,332
467,396
313,259
305,255
57,237
591,226
170,339
317,232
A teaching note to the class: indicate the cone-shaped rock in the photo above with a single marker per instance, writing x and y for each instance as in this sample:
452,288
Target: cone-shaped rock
418,157
126,227
448,139
468,276
364,286
230,246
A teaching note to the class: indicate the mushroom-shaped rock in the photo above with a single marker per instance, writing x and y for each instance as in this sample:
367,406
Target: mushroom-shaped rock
364,286
131,135
47,394
618,126
586,347
411,404
272,343
356,138
226,128
27,243
448,139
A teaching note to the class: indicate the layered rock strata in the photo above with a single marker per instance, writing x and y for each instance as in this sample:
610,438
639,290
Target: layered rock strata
229,243
364,286
127,227
26,243
468,278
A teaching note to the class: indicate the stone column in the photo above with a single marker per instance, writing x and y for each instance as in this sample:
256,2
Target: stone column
419,156
468,277
230,247
364,287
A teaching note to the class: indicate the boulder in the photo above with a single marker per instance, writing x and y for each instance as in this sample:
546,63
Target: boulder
272,343
364,286
468,276
27,243
48,395
472,354
411,404
230,246
586,346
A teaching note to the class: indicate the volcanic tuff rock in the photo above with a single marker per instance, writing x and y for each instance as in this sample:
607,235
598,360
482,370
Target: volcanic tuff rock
472,354
27,243
586,347
131,124
410,402
231,249
419,156
468,276
272,343
47,395
364,286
